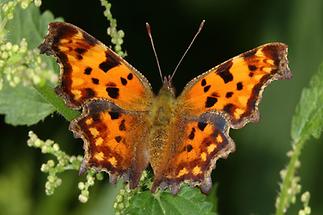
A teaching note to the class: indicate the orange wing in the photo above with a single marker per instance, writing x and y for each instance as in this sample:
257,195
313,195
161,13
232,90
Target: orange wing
89,69
114,140
194,147
235,86
225,96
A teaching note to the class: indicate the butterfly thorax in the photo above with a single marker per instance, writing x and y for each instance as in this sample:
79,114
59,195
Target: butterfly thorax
163,107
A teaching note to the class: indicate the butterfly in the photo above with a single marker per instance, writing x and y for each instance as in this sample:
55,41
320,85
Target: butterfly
126,128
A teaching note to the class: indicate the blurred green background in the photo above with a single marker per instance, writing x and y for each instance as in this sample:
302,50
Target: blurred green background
248,179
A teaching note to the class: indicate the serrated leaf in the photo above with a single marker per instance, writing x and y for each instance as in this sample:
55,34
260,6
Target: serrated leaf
187,201
23,105
308,118
31,25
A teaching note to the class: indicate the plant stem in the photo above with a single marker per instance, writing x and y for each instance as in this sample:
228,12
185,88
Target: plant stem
47,92
284,195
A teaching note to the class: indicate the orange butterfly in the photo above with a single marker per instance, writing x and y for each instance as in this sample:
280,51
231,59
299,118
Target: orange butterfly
125,127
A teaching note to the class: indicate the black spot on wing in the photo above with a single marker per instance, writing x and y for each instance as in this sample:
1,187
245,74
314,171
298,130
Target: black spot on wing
88,70
106,66
189,148
123,81
192,134
201,125
252,67
206,88
95,81
224,71
239,86
110,62
122,126
130,76
210,101
229,94
114,115
203,82
118,138
113,92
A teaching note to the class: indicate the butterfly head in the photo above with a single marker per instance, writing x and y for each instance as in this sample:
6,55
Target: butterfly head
167,87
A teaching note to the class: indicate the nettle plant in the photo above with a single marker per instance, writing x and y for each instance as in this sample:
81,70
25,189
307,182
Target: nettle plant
27,80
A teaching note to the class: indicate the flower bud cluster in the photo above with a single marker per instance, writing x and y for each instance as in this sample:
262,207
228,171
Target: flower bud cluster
125,194
19,65
305,199
91,176
116,35
7,7
64,162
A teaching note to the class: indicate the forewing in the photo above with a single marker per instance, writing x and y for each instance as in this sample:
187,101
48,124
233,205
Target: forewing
235,87
114,140
89,69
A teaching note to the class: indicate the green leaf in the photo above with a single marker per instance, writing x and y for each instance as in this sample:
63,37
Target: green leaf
29,24
187,201
23,105
308,118
212,197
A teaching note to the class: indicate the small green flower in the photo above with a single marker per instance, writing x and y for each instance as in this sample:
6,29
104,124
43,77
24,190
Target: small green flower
37,3
116,35
305,198
125,194
18,64
63,162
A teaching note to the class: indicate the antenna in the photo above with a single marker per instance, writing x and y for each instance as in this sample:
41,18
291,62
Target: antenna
153,46
188,48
